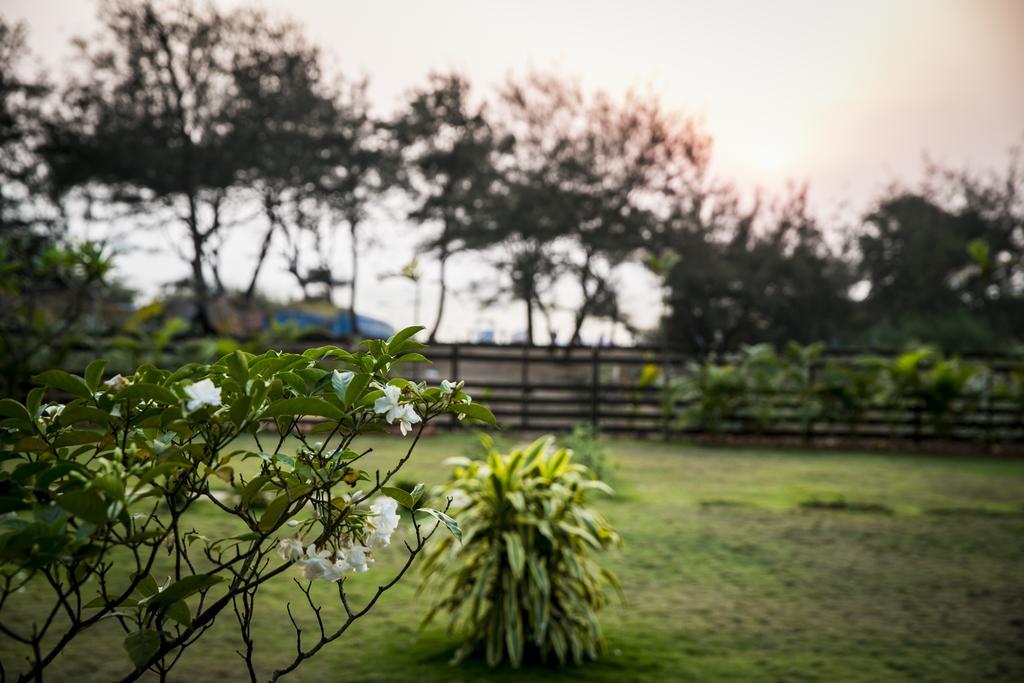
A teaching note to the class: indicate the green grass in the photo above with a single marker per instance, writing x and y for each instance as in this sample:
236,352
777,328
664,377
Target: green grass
738,565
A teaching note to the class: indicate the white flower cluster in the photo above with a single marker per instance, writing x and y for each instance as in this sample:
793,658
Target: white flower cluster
350,557
448,388
388,405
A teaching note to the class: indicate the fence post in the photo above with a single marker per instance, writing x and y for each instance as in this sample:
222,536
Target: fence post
524,380
595,378
453,364
666,367
812,373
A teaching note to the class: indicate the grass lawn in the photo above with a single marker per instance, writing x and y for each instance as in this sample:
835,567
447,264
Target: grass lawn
738,565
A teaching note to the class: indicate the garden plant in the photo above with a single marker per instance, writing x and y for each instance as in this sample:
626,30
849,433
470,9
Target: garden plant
100,475
523,584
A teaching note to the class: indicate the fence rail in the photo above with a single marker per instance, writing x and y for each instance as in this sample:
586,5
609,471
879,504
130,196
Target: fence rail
553,388
536,388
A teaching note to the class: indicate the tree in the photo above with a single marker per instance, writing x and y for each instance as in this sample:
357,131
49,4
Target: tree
48,284
608,166
361,166
23,179
284,112
448,167
944,264
749,275
150,125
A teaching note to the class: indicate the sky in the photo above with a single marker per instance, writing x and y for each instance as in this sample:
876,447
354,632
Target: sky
845,95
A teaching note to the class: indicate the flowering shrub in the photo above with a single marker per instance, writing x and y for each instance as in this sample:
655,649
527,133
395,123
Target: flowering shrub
522,581
98,489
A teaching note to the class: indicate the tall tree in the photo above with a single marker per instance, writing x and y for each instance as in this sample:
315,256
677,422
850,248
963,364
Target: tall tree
608,165
448,168
360,165
286,115
749,274
945,264
150,122
48,285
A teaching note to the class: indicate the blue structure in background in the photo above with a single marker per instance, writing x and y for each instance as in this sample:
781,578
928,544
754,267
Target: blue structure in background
335,324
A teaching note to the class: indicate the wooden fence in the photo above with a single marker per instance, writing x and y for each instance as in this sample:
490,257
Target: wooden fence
553,388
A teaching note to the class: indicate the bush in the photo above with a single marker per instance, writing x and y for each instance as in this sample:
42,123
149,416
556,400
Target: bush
523,580
586,448
97,492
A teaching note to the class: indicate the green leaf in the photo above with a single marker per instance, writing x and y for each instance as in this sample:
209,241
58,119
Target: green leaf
238,367
64,381
403,334
476,412
403,497
452,525
147,586
411,358
356,388
515,552
303,405
179,590
147,392
78,437
94,373
340,381
252,489
82,413
141,646
85,504
240,410
272,515
179,612
416,494
11,408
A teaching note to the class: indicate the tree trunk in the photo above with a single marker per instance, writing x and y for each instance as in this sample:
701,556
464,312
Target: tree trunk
441,298
353,322
529,318
202,319
268,237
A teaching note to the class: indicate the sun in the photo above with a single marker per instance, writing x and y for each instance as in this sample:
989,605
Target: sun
770,157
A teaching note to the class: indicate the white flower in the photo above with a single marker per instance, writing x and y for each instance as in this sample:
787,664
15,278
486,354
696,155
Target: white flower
334,572
388,403
355,558
447,387
204,393
117,382
51,411
384,518
290,549
469,399
389,406
316,565
407,419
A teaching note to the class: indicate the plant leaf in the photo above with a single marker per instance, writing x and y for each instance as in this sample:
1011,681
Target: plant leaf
452,525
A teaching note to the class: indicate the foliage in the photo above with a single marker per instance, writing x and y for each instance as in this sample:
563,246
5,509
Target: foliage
587,449
939,385
748,275
448,149
758,389
49,288
523,581
101,483
712,393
